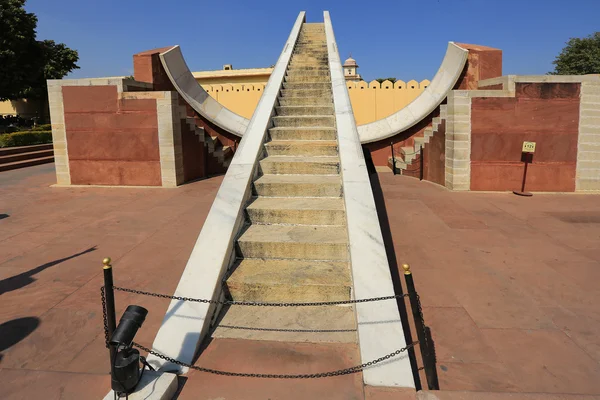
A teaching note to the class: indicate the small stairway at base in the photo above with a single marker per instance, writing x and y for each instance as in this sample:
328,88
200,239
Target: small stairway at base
295,244
25,156
411,153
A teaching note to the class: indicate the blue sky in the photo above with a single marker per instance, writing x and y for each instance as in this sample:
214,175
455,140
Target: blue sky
404,39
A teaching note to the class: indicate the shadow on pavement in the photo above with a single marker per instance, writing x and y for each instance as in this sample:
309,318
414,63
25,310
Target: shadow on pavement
12,332
25,278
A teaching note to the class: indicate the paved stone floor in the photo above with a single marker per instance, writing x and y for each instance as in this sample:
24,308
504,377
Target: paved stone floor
509,285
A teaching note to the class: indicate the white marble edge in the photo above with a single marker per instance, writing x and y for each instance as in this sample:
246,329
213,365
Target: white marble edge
184,82
443,82
186,323
380,330
451,68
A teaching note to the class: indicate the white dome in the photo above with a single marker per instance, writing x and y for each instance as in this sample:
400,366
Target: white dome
350,62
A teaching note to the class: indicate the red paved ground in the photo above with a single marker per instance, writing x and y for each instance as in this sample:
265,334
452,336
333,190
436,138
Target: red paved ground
509,286
51,247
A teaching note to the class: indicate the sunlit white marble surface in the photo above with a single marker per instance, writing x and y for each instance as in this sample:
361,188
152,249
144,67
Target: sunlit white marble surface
380,330
186,323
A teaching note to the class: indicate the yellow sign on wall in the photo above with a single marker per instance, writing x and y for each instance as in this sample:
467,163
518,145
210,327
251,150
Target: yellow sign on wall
528,147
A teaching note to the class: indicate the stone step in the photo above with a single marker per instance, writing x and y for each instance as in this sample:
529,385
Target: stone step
26,163
307,72
298,186
310,45
10,158
307,85
309,58
308,61
326,324
420,141
294,242
304,110
295,133
297,211
302,148
299,121
310,53
5,151
307,78
306,101
274,280
308,67
278,165
286,93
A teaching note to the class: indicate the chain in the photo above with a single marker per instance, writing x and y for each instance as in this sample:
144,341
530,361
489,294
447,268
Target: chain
345,371
103,297
418,299
259,304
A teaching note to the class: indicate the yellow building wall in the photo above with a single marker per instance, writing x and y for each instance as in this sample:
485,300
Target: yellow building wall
370,101
23,107
373,101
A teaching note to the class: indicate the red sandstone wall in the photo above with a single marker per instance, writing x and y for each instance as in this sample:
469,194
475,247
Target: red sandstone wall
434,157
482,63
111,141
547,114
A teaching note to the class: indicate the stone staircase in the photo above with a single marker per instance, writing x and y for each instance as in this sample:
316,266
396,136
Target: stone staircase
295,245
410,153
220,156
25,156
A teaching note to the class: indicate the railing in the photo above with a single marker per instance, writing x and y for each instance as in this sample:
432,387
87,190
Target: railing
396,156
107,294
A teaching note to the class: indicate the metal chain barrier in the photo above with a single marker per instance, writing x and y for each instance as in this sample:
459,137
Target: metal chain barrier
345,371
418,300
259,304
103,297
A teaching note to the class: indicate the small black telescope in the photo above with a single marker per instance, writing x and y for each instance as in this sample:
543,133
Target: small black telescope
125,373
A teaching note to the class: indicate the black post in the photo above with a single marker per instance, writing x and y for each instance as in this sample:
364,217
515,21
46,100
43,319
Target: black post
109,295
421,163
526,158
424,345
393,158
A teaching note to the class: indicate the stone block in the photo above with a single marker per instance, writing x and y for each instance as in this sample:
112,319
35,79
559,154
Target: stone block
588,185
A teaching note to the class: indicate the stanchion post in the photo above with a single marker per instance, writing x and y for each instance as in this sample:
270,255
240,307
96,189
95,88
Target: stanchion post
393,158
421,162
430,372
109,296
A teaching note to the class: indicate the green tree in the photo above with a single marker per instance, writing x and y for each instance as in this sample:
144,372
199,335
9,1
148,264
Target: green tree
26,63
19,52
381,80
580,56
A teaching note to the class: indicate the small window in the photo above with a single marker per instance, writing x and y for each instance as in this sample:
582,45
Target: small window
412,87
227,90
425,87
237,90
248,89
259,90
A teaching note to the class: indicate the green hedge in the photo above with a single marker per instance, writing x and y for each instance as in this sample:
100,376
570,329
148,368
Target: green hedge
43,127
25,138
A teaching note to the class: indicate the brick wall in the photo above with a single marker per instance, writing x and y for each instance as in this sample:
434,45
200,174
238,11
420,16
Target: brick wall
545,113
111,141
